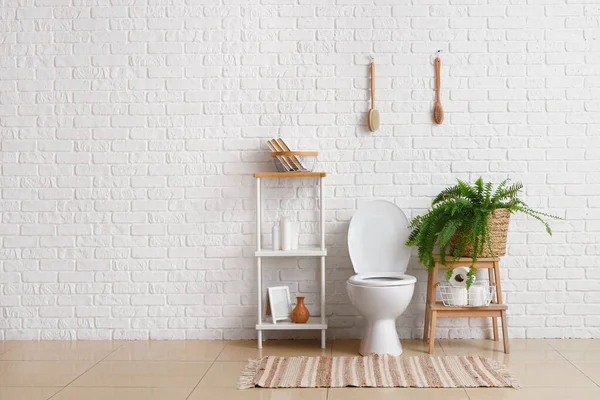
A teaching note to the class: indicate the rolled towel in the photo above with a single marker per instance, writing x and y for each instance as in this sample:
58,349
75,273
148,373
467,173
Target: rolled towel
477,295
459,277
458,296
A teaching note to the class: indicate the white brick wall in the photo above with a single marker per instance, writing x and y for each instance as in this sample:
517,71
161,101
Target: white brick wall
130,129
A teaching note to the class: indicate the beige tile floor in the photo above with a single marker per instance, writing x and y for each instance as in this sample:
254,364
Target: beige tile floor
197,370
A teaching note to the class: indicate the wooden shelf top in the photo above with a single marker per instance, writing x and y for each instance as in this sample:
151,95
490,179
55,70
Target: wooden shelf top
492,307
290,174
468,259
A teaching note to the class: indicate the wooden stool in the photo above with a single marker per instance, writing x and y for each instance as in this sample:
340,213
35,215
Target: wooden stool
435,310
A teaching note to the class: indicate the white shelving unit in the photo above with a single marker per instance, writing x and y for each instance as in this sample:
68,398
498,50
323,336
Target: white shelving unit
314,322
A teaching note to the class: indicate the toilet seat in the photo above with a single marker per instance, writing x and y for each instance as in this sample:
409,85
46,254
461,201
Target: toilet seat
384,279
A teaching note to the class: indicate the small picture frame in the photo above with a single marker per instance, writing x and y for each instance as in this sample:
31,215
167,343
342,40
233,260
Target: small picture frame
279,303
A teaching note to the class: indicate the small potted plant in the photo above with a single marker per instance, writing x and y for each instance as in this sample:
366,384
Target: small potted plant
469,221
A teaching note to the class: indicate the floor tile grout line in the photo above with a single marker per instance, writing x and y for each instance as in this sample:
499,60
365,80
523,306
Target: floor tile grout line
206,372
441,347
221,352
115,387
200,380
571,362
332,347
10,348
467,393
84,372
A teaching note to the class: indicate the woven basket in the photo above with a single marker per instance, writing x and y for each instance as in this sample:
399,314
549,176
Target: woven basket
498,223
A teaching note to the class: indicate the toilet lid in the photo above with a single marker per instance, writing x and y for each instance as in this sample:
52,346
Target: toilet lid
376,238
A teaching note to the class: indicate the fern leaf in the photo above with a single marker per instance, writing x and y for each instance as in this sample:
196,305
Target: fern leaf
467,191
511,192
448,193
498,191
536,216
448,232
487,193
479,186
471,276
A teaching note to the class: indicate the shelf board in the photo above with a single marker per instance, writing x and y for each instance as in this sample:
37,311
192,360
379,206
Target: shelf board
492,307
467,259
300,252
290,174
313,323
493,310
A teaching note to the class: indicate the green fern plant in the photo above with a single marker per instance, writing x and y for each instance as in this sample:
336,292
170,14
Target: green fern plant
462,213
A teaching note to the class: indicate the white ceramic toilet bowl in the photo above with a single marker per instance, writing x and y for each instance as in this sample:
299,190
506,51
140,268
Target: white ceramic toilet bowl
381,291
381,306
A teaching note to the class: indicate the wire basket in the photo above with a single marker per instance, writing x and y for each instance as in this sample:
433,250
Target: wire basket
479,295
294,161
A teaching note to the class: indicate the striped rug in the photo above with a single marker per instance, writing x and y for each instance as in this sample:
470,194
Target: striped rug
375,371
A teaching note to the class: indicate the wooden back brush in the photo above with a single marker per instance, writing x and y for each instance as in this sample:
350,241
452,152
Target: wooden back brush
438,111
373,117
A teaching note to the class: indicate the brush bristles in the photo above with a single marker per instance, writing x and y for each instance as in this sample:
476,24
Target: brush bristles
373,120
438,115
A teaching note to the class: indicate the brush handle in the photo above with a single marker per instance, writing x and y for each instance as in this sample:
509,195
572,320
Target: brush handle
372,85
438,64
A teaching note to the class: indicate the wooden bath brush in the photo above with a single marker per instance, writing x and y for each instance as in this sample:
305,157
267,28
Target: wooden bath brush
438,111
373,118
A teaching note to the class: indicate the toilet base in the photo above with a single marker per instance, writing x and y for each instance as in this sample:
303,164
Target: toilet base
380,337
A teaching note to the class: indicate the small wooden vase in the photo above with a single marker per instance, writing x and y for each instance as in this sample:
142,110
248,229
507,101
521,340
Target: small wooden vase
300,314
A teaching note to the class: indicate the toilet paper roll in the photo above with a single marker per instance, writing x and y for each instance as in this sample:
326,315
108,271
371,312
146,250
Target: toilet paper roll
477,296
459,277
458,296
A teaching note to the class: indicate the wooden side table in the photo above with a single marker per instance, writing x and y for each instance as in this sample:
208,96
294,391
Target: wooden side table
435,310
